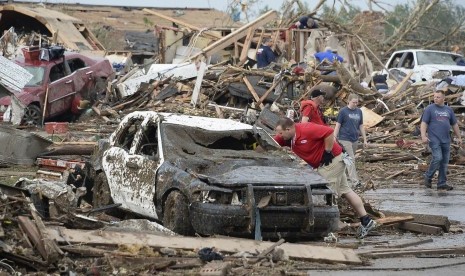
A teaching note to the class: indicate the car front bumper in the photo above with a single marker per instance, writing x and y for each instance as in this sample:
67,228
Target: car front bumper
275,221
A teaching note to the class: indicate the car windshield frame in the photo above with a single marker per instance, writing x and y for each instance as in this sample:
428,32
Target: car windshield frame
38,73
425,57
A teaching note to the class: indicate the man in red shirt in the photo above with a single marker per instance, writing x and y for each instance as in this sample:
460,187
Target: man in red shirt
315,145
310,110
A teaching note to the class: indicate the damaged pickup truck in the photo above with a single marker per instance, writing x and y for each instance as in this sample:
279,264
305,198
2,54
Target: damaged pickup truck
210,176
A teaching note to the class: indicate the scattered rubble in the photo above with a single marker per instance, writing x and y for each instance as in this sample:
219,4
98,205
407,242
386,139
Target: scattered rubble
67,220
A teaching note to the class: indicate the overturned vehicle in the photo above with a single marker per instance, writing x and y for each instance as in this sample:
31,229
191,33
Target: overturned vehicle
210,176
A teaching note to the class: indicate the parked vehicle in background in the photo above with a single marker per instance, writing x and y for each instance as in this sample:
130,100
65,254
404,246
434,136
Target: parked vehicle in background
425,64
58,84
206,175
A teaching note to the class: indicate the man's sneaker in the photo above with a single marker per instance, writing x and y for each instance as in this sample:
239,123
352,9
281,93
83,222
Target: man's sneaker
445,188
427,183
362,231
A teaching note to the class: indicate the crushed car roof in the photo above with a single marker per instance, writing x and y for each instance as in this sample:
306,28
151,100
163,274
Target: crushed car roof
212,124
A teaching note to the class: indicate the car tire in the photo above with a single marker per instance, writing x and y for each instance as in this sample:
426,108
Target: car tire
32,116
101,191
176,214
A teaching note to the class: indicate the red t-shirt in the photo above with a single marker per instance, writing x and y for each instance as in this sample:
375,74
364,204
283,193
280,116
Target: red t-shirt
309,109
308,142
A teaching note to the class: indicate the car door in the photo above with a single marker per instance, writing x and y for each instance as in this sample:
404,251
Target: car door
140,169
113,159
60,90
133,185
82,75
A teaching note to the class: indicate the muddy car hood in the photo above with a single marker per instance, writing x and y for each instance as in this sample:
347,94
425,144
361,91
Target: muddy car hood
266,175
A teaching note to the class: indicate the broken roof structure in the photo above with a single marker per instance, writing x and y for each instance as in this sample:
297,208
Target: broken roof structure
64,29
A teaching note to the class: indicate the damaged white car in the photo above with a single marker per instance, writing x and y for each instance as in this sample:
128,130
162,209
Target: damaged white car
425,64
210,176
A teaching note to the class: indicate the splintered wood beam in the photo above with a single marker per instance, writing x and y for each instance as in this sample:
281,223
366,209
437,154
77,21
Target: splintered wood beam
252,91
236,35
246,47
211,35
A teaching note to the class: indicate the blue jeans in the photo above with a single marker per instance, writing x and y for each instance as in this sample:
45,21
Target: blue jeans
441,154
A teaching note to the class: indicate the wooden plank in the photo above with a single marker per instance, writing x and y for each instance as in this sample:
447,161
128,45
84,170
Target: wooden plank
420,228
33,234
370,118
262,98
403,244
252,91
198,83
394,220
236,35
212,35
227,245
433,220
417,252
245,49
399,109
401,85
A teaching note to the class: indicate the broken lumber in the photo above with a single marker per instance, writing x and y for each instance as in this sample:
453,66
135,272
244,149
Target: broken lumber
228,245
252,91
211,35
433,220
394,220
420,228
237,34
406,244
413,252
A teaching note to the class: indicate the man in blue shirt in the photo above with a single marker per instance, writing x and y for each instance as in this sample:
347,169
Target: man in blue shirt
348,128
265,54
437,119
328,55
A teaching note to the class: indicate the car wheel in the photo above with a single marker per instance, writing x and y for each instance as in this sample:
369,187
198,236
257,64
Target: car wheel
32,116
176,214
101,191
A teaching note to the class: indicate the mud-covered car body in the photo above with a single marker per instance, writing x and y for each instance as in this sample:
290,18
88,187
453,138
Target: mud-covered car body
227,187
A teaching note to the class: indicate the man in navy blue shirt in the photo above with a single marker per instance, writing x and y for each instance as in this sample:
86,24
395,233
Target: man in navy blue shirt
265,54
437,119
305,22
328,55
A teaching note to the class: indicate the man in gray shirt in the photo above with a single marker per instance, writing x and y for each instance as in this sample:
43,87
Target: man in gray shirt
348,128
437,119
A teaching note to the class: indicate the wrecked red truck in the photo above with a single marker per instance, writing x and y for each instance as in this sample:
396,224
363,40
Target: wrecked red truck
60,81
210,176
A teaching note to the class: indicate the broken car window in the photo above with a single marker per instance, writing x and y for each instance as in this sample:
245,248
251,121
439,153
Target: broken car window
57,72
75,64
38,74
395,61
148,145
436,58
126,136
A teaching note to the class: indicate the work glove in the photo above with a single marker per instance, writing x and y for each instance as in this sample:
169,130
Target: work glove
327,158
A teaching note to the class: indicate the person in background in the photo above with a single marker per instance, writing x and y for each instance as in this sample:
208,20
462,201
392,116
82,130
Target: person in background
310,110
265,54
305,22
349,126
315,145
328,55
436,123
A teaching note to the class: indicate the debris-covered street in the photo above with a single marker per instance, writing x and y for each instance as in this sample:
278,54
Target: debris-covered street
304,139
